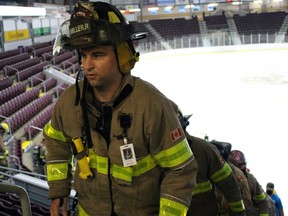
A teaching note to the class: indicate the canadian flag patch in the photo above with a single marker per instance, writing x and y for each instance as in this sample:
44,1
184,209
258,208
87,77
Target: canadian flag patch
176,134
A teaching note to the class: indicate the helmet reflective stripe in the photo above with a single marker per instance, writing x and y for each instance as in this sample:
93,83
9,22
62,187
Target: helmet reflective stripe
113,18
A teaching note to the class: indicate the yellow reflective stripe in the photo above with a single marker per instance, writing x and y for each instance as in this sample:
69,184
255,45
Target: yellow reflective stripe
263,214
99,163
221,174
125,173
202,187
57,171
259,197
113,18
171,208
81,211
237,206
53,133
174,156
144,165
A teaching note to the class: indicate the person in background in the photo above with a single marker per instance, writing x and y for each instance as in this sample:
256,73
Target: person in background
4,128
260,205
277,201
224,149
271,206
109,113
213,172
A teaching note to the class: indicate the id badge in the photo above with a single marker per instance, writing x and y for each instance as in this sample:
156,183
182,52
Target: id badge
128,155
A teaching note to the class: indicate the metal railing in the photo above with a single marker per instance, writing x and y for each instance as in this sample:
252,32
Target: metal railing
219,38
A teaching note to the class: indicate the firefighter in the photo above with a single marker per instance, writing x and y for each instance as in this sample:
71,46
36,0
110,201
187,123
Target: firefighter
109,113
4,128
258,196
213,171
224,149
39,157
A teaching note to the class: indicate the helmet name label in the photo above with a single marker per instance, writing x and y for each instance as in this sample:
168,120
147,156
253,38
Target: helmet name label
80,29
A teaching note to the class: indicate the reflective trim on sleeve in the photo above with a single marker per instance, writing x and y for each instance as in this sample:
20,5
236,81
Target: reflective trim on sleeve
259,197
117,171
57,171
53,133
174,156
237,206
222,174
202,187
172,208
263,214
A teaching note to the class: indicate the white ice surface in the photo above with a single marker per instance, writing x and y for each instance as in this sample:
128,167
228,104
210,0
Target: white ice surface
238,95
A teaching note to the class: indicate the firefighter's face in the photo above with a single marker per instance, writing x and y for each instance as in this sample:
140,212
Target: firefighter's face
101,67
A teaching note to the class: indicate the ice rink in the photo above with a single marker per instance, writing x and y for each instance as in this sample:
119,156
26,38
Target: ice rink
236,94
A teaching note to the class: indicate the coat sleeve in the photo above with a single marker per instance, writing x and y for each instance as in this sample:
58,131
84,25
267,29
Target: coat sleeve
222,176
58,157
258,196
170,148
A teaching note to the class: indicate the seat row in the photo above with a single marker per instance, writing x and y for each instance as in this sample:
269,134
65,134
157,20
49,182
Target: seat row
48,84
11,92
5,82
13,60
21,117
41,51
36,79
39,122
37,46
11,205
9,53
28,72
60,58
59,89
10,70
260,23
15,104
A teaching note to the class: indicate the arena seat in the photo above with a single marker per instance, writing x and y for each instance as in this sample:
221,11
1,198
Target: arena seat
10,70
12,91
13,59
5,82
28,72
216,22
36,79
18,102
9,53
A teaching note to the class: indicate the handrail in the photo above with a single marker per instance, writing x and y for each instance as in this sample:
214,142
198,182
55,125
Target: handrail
23,195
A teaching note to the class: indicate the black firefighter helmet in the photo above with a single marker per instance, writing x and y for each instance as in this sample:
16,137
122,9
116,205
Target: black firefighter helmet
99,23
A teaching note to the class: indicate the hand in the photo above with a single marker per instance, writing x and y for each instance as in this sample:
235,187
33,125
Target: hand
58,203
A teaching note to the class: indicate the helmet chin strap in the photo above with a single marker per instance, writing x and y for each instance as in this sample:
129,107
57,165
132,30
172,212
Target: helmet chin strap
77,100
